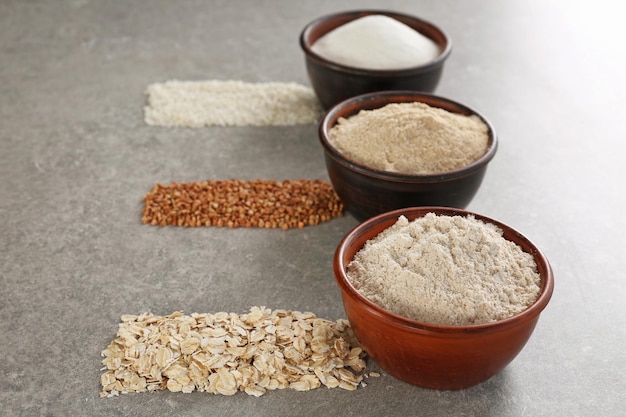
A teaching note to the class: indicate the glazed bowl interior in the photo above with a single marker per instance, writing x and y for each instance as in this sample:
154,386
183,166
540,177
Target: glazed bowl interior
367,192
334,82
432,355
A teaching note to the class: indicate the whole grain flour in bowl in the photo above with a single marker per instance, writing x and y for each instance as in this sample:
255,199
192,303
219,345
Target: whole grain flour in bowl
410,138
446,270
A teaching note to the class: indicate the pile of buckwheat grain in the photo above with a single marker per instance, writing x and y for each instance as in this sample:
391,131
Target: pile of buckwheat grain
224,353
238,203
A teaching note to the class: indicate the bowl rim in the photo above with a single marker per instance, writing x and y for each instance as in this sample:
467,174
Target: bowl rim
345,285
390,96
357,13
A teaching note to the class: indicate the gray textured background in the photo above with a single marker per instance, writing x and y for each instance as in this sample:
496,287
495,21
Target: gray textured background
76,160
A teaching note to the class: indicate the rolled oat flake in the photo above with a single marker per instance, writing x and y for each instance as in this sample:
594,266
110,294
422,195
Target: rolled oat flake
224,353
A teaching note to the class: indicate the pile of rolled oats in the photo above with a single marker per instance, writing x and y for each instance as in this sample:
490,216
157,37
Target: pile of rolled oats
224,353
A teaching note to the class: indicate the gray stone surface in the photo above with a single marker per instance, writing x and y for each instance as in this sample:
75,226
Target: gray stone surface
76,160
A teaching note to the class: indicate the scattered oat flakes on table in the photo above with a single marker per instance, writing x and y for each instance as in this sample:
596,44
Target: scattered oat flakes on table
224,353
238,203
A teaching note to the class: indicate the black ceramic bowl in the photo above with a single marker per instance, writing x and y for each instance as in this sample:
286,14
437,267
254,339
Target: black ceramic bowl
334,82
366,192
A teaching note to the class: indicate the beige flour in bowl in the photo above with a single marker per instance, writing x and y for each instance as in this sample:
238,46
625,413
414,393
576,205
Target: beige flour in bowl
410,138
449,270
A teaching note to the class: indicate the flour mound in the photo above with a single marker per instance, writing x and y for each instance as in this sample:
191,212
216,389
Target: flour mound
449,270
376,42
411,138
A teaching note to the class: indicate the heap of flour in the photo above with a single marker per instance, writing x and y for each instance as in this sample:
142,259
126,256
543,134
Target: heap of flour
411,138
376,42
449,270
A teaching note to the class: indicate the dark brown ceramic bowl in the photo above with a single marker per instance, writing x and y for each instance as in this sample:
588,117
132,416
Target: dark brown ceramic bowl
366,192
428,355
334,82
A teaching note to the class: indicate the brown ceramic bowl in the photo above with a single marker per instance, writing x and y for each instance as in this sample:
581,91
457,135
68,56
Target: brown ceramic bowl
428,355
334,82
366,192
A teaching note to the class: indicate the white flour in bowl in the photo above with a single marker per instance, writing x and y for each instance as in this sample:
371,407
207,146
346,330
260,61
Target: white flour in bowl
376,42
449,270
